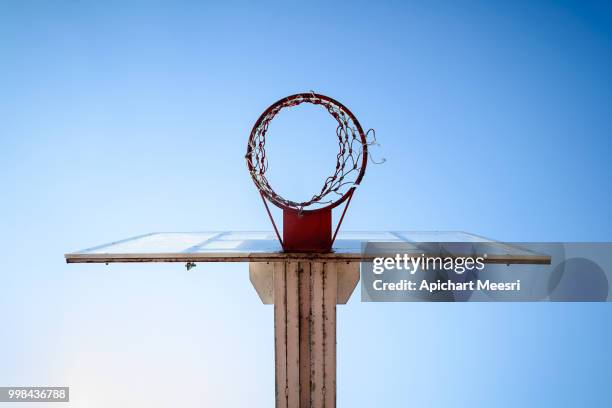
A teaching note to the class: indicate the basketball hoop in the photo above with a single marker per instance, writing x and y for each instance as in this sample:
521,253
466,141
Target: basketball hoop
307,225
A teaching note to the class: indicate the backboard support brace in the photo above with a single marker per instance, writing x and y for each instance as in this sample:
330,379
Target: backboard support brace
307,231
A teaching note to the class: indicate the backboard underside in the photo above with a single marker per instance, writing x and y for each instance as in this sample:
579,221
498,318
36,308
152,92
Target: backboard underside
257,246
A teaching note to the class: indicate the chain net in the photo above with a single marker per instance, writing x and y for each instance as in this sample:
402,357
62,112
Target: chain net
349,160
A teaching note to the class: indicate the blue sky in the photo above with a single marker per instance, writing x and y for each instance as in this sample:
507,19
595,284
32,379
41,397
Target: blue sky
119,119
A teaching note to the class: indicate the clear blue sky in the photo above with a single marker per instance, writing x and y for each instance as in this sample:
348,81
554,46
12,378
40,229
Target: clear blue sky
121,118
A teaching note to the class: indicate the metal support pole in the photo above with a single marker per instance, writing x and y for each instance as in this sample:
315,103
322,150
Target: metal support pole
305,294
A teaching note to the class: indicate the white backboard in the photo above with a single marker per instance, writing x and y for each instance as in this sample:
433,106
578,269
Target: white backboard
254,246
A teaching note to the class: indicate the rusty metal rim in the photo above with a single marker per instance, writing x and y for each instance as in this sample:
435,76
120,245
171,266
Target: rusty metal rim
362,136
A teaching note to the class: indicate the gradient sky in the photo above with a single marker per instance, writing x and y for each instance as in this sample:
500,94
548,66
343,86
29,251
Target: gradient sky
121,118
